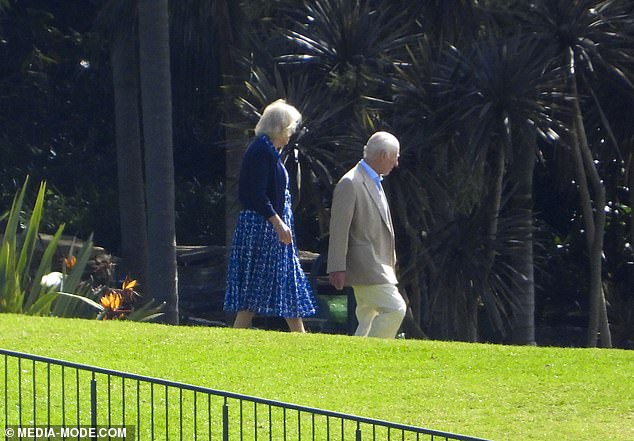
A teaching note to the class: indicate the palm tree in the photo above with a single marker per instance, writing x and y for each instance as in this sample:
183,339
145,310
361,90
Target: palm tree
586,34
479,106
607,106
154,57
348,42
350,48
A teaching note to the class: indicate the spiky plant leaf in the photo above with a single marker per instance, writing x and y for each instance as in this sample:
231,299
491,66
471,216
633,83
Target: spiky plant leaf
43,268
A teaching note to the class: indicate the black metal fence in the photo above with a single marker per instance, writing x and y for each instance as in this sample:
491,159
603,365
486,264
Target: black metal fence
44,392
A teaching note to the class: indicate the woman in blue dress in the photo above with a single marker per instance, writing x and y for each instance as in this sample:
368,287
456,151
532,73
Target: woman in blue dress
264,275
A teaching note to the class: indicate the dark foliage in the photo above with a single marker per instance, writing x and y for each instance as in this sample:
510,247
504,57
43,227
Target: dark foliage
454,79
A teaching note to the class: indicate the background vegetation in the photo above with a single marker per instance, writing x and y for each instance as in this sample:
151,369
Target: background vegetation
513,201
492,391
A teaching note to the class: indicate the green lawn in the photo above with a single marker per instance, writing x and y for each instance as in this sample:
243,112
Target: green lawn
489,391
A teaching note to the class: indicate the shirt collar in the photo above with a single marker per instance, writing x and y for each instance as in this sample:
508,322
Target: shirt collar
374,175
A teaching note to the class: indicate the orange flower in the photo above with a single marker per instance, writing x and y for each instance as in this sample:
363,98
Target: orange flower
70,262
111,300
128,284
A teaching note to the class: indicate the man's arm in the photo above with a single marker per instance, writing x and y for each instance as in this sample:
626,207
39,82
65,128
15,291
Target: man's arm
341,214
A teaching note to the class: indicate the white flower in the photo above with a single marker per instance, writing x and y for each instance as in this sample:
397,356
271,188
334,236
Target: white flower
52,280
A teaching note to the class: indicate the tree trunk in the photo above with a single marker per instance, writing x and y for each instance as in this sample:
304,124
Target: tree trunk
599,305
630,175
523,324
159,157
492,207
124,61
594,221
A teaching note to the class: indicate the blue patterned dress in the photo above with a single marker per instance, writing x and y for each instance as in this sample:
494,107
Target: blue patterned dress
264,275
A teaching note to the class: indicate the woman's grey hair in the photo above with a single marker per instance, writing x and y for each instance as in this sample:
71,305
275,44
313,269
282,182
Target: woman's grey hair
278,119
380,142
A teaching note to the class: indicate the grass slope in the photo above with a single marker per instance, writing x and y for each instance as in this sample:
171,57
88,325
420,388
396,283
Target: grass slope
490,391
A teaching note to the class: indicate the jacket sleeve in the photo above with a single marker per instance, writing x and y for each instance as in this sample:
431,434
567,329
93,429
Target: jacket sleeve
341,213
254,178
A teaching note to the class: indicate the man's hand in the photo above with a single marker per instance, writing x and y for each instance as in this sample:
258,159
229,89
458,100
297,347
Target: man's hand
337,279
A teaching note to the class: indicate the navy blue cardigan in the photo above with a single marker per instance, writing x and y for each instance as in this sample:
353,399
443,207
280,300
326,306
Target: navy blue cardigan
263,179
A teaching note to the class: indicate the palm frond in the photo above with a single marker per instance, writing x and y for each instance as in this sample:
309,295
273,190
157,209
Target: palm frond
348,42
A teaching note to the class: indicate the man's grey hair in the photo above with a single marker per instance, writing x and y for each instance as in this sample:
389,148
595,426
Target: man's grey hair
380,142
278,119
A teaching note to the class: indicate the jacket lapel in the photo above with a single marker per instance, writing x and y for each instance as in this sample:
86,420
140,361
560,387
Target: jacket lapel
373,191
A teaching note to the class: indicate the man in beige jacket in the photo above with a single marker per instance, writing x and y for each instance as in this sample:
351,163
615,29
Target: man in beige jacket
361,251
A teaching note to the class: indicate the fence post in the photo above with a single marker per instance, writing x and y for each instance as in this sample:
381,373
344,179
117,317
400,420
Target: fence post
225,421
358,432
93,403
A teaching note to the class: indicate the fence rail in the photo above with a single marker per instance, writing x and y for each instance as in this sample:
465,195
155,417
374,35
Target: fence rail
45,392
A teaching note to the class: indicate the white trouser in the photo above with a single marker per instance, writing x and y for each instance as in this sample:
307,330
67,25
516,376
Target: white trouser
380,310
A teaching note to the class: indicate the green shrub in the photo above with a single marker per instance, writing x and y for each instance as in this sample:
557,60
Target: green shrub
41,291
20,287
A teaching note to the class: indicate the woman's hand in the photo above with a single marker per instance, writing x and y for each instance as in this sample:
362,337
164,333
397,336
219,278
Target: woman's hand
284,233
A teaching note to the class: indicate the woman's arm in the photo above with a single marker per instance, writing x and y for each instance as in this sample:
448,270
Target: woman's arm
257,166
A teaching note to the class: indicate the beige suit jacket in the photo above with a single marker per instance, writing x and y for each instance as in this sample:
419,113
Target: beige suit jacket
361,232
